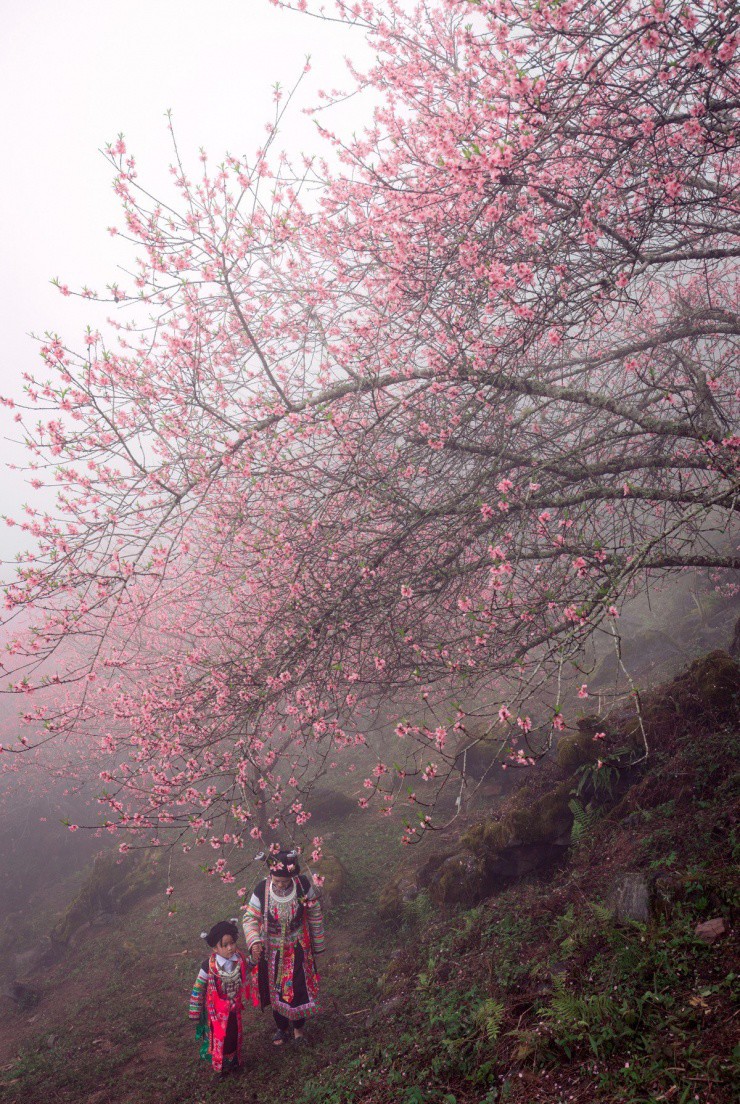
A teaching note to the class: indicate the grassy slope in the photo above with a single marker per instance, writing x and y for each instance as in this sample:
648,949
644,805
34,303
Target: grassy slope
535,995
112,1022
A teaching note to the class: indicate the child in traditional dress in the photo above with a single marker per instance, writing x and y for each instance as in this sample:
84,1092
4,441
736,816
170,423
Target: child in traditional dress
219,996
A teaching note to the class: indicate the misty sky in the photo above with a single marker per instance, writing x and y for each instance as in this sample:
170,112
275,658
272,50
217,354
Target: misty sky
73,75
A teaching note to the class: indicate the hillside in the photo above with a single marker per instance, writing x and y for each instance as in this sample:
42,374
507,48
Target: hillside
583,980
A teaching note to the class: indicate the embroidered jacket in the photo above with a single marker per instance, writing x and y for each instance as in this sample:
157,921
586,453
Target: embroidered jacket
263,924
218,993
290,926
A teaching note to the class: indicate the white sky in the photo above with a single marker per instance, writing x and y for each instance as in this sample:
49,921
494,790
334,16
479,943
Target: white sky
72,76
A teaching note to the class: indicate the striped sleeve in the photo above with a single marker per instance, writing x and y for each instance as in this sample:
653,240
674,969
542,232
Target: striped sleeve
198,996
316,925
252,922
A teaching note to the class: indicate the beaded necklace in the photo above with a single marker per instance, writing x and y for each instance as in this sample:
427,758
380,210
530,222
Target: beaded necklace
229,974
282,904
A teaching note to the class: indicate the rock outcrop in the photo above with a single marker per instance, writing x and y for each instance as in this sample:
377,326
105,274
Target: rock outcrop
533,833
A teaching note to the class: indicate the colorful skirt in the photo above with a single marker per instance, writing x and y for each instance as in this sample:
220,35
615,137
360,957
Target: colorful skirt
292,990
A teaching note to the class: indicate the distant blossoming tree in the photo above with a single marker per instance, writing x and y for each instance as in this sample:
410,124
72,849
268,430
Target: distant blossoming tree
410,440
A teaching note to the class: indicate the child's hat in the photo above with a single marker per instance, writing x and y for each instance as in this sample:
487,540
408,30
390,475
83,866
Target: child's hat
218,931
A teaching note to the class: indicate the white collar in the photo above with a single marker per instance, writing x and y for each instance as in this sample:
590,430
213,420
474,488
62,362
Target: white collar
221,961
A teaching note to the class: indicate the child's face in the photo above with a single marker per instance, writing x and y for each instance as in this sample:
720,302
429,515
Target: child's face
226,946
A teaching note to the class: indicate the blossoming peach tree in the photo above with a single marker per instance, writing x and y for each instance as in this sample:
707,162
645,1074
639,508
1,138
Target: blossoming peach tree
392,439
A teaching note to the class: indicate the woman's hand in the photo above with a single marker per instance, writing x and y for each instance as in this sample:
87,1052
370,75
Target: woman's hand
255,951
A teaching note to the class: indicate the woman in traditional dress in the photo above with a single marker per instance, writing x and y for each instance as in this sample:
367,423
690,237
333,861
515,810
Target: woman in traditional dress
284,931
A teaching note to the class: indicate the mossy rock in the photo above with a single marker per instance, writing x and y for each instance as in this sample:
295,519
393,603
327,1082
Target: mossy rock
487,838
334,874
428,870
708,690
137,883
113,886
711,683
395,895
577,749
458,881
546,820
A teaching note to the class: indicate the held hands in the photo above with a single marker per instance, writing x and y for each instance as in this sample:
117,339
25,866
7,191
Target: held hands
255,951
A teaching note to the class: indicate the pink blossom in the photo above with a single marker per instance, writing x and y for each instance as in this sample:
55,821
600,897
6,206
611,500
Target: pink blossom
276,487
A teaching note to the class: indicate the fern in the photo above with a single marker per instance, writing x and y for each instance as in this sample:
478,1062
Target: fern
489,1016
563,925
583,821
578,1015
602,913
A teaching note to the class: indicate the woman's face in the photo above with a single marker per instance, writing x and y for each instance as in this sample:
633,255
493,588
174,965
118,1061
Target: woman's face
281,884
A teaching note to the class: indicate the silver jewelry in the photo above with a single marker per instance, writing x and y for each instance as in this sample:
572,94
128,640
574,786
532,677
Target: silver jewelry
280,900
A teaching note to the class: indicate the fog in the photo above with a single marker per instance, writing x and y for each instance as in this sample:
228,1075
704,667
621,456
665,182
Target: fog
73,77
